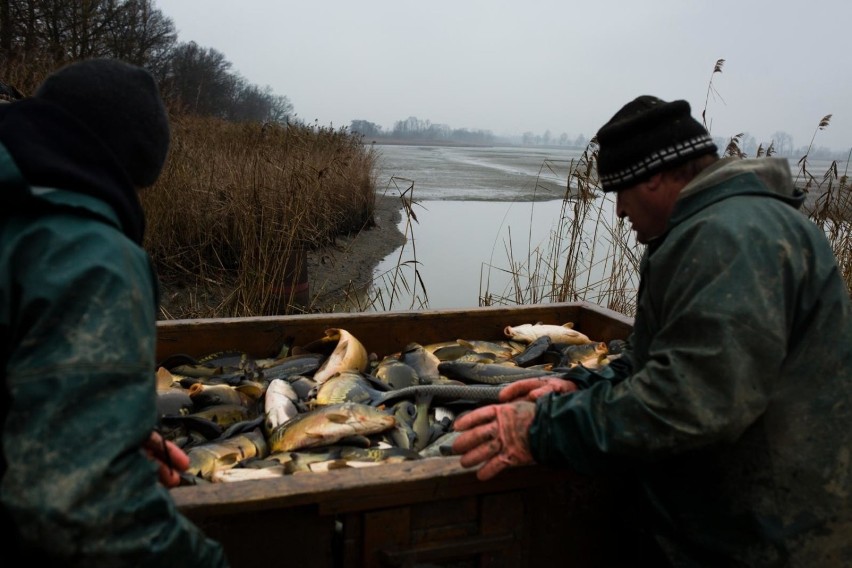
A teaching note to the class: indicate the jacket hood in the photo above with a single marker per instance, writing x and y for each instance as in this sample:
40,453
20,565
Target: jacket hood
54,149
729,177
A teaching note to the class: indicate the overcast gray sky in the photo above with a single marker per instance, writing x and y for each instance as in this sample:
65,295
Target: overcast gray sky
536,65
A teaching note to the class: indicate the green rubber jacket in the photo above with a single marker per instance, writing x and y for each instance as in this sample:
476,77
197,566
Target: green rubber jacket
735,422
77,320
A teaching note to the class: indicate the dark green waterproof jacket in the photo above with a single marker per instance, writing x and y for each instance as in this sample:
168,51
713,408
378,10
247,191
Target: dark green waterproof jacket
736,420
77,322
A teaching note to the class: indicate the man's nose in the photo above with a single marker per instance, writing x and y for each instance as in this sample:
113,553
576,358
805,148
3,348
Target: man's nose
619,209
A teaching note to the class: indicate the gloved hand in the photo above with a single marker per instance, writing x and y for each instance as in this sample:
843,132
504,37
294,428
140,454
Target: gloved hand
497,436
531,389
170,459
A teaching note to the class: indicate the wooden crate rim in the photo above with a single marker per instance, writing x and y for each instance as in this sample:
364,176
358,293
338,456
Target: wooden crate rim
449,312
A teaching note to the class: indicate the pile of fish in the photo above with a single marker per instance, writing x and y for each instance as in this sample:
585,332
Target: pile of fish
331,404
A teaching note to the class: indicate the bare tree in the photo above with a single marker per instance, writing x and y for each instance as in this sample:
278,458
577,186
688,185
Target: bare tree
199,79
142,35
783,143
39,35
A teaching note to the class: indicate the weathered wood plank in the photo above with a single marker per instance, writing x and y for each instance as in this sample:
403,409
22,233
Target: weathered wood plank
382,333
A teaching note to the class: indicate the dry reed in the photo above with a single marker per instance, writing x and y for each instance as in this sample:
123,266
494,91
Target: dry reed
592,255
239,205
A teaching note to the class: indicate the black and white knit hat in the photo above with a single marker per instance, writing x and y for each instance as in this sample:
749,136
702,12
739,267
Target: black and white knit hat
646,136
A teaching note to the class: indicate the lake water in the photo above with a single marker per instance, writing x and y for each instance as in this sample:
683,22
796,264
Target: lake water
486,222
490,229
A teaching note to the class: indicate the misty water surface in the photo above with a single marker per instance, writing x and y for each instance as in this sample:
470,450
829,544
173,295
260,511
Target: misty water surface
471,204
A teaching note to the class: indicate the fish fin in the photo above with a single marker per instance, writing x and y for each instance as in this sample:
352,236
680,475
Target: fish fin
314,435
337,417
164,378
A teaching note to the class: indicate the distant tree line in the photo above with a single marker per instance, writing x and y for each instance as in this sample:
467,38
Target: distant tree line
44,34
414,129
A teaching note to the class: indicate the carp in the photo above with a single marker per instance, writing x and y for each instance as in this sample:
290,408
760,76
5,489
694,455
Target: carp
348,355
329,424
424,363
206,459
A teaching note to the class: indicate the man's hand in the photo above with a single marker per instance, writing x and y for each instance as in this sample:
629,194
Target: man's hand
169,457
496,436
531,389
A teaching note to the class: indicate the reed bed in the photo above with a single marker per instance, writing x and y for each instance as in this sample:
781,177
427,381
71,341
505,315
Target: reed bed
592,255
239,205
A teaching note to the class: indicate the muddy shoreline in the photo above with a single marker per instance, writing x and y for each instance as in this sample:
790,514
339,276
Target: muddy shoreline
346,267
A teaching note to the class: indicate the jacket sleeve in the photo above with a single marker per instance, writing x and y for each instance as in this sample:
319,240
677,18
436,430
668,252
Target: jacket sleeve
716,335
83,400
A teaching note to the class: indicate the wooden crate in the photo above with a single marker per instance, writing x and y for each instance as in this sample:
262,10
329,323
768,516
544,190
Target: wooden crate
429,512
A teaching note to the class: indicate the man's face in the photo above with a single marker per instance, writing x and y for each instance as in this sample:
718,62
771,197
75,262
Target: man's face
648,206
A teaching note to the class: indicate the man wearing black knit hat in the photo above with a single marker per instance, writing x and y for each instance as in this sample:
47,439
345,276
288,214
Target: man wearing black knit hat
78,302
730,408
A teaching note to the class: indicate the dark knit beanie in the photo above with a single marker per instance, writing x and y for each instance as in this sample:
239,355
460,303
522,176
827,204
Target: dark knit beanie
646,136
121,105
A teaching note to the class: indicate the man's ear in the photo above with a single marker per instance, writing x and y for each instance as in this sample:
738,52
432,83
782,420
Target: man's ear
654,182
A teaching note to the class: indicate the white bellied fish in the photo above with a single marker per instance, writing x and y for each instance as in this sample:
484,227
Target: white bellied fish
529,332
348,355
329,424
279,404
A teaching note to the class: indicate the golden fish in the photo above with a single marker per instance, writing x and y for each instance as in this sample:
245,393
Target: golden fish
348,355
347,386
205,396
329,424
589,354
206,459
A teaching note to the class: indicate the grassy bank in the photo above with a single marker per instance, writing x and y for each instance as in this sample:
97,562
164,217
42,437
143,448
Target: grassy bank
238,206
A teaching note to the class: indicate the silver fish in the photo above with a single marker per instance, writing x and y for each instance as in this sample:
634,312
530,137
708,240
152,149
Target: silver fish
490,373
422,361
279,404
444,392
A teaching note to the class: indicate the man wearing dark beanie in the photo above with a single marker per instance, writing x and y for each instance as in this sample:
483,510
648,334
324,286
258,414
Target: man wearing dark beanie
84,478
729,410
